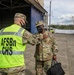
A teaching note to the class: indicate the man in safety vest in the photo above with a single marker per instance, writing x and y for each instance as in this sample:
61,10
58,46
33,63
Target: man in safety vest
13,40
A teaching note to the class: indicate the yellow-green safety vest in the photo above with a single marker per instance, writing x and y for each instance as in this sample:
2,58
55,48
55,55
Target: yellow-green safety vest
11,47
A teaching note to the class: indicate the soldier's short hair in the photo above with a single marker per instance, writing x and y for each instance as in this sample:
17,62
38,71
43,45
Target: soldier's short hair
20,15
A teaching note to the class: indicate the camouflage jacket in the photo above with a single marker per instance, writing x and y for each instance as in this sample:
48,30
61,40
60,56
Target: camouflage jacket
28,38
47,48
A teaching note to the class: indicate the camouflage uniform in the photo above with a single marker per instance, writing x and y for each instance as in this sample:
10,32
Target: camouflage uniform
27,38
44,52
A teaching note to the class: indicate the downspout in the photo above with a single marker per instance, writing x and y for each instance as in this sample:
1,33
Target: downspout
46,20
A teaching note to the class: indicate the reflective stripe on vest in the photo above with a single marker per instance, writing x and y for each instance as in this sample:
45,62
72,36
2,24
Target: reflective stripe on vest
14,53
11,33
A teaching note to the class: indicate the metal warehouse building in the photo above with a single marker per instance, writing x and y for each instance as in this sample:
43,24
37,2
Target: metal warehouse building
33,10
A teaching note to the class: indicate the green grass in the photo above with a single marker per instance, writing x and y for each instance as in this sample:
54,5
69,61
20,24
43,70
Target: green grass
71,27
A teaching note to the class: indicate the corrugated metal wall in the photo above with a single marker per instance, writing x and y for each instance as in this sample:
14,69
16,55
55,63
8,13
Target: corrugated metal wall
41,2
36,15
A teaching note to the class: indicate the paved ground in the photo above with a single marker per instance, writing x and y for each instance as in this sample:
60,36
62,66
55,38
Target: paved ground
65,55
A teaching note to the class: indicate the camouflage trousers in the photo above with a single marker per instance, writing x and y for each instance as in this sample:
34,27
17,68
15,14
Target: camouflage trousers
13,71
42,66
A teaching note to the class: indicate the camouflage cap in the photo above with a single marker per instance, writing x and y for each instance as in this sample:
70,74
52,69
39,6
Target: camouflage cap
39,23
20,15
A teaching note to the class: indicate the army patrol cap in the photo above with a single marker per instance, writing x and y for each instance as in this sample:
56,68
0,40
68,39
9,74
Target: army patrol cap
20,15
39,23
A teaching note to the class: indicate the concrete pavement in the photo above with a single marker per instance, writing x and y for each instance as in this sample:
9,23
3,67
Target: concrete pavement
65,54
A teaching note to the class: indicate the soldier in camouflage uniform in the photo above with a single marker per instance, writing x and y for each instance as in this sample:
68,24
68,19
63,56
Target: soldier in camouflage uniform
46,50
26,37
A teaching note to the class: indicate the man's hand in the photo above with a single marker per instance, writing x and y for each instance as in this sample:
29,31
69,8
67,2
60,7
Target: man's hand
45,36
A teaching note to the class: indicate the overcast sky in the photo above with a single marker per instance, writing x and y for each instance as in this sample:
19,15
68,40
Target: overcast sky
61,9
